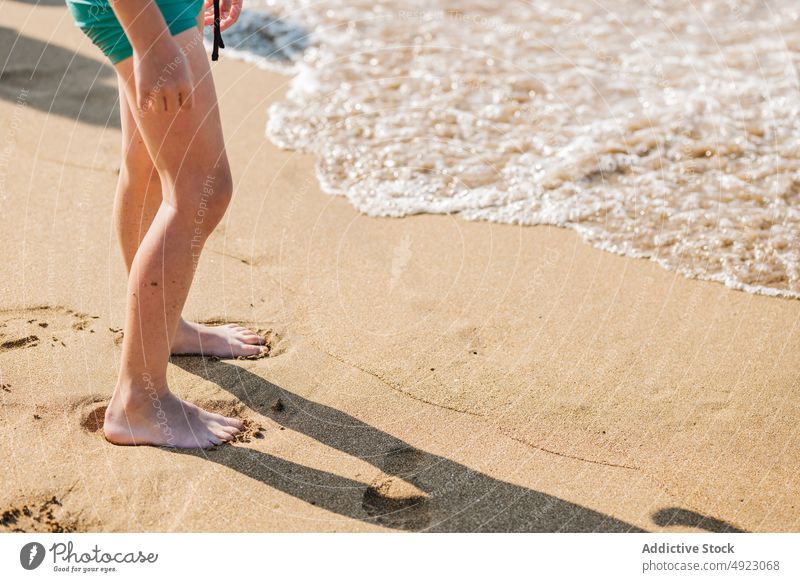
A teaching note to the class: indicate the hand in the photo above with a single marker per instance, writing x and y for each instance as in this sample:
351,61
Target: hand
229,11
163,79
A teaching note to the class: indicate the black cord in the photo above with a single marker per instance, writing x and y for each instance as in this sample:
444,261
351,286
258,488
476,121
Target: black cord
218,44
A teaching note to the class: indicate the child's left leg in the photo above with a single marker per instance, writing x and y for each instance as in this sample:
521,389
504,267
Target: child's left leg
137,201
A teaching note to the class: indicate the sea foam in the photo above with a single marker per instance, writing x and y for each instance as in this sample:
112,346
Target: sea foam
661,129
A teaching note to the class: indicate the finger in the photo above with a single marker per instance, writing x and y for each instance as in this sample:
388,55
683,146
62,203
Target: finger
231,18
222,11
208,15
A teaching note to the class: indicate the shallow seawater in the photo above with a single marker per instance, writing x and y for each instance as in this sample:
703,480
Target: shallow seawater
660,129
266,40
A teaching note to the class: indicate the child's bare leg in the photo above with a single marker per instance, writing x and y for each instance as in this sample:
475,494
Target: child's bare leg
188,150
137,202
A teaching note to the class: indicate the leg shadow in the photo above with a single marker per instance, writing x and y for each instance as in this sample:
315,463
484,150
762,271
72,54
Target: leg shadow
455,497
56,80
679,516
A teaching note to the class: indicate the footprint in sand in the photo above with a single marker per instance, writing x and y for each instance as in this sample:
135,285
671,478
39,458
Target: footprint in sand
394,502
46,516
118,335
25,328
93,422
16,344
276,344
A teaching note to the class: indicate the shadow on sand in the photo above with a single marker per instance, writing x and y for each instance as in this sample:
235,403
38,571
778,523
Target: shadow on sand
65,83
454,497
56,80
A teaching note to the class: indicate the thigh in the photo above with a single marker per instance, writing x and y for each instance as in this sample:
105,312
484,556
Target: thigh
187,145
135,156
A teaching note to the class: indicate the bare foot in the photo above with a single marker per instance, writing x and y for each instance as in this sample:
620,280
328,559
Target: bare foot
143,417
222,341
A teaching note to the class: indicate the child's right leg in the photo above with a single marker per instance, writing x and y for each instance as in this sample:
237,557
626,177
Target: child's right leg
188,151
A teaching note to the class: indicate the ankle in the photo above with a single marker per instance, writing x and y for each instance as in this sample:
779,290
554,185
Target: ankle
132,395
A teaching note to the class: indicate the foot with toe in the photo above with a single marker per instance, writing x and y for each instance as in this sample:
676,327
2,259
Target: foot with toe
150,417
223,341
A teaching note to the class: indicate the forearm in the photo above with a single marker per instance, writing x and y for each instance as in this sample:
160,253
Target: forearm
142,21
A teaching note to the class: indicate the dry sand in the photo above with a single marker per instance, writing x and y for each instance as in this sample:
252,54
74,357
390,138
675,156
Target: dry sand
426,373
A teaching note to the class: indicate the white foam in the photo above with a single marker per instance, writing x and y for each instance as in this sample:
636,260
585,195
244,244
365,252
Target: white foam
668,130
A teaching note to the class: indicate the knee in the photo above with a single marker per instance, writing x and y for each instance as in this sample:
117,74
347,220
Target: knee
204,198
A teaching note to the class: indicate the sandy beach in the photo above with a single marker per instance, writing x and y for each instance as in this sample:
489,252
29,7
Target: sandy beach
425,373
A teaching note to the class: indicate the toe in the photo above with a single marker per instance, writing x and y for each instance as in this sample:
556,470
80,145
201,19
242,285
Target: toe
253,339
208,442
233,422
229,431
213,417
227,426
221,433
214,440
250,349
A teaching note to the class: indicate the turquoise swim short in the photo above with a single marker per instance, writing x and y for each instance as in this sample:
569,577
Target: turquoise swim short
98,21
